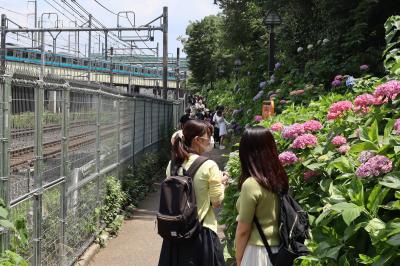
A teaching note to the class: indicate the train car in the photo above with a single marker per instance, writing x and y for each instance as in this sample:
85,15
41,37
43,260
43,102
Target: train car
30,56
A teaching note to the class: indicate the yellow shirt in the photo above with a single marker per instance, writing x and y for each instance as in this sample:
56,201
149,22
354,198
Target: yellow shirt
208,189
256,200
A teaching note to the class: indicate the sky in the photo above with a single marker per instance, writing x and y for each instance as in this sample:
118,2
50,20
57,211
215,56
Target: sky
181,12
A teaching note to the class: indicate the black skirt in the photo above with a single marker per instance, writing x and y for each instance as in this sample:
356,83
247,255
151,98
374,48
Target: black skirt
203,250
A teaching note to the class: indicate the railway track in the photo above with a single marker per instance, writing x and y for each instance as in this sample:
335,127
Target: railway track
51,149
18,133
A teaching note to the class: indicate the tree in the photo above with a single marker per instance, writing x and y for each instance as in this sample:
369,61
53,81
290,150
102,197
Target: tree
203,48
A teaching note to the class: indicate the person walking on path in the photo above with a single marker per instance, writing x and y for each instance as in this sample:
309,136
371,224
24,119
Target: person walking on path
262,178
203,249
220,120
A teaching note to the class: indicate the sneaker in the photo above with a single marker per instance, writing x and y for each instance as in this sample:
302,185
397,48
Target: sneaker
221,147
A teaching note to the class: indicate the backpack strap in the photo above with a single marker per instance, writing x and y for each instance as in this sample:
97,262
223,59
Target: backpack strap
195,166
263,237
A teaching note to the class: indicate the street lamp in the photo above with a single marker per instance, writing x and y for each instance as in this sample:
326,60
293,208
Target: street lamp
272,18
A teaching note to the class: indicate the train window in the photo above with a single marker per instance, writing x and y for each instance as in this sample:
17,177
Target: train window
121,68
38,56
63,60
75,61
9,52
25,54
85,62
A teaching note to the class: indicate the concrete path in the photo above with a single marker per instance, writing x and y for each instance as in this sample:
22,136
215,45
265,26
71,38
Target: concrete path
138,243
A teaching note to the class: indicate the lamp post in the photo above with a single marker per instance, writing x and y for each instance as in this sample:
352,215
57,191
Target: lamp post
238,64
272,19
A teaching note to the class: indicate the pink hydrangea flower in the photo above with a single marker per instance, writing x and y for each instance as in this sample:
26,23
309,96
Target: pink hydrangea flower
339,140
257,118
312,126
344,149
296,92
375,166
305,141
338,108
293,131
388,90
364,67
277,127
288,158
363,101
309,174
397,126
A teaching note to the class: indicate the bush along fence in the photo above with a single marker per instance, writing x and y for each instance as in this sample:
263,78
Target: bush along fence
342,153
54,167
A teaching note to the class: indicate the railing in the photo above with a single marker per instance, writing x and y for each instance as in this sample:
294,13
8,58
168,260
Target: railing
58,142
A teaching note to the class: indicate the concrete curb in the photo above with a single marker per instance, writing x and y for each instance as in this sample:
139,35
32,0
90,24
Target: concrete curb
91,251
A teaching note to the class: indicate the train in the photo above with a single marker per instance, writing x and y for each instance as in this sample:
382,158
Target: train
67,61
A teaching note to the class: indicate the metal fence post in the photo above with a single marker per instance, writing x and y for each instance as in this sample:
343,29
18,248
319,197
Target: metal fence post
37,204
144,124
98,149
134,131
118,135
5,148
151,124
65,167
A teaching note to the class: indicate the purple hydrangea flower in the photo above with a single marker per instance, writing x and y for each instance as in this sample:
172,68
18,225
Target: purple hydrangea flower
365,156
336,83
375,166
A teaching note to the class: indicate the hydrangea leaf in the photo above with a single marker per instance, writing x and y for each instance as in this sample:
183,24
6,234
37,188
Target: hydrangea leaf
391,181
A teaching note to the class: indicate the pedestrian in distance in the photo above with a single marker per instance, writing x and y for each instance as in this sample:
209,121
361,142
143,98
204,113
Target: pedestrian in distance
202,248
262,178
221,123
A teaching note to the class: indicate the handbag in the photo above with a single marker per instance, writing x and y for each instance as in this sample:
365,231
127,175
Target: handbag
284,257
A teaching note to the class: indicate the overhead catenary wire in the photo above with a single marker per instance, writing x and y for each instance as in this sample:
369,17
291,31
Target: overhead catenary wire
130,22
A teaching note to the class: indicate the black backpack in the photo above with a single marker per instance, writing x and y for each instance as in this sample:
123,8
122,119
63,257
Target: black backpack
293,231
177,217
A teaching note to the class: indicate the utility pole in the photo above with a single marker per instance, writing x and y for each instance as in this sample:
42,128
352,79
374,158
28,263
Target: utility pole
90,47
111,66
177,74
165,52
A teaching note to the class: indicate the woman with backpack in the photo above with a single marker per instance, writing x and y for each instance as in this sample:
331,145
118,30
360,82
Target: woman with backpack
261,179
204,247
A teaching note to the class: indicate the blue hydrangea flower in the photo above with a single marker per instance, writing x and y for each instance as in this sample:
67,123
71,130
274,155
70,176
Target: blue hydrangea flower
350,81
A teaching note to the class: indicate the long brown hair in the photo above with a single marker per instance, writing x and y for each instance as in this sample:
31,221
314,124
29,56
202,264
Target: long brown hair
259,159
191,129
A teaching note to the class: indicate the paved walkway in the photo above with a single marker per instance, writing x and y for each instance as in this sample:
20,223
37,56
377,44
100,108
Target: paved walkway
138,243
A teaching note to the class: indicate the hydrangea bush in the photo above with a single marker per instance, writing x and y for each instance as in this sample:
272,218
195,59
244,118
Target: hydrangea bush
342,153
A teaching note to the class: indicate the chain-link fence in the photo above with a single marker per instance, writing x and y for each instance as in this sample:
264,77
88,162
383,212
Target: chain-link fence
59,141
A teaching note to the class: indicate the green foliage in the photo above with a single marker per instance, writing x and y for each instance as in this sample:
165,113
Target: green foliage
110,212
392,52
203,47
140,179
9,257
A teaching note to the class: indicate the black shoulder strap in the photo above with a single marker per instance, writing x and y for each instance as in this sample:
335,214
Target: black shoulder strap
264,239
195,166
